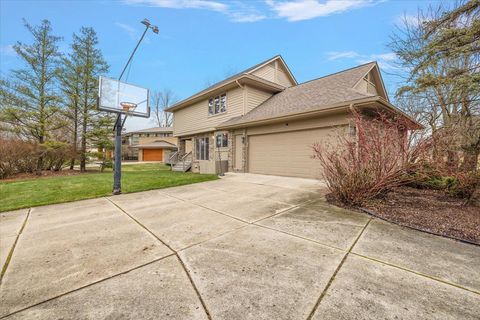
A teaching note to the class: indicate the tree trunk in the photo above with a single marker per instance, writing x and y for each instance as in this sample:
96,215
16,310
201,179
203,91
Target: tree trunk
83,151
75,137
470,161
83,157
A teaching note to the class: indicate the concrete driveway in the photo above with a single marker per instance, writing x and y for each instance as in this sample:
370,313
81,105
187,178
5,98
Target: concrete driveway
243,247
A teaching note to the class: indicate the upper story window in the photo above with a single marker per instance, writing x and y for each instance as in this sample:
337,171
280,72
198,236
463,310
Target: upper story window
217,104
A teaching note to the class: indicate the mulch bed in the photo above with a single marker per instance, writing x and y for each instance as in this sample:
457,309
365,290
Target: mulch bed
431,211
46,173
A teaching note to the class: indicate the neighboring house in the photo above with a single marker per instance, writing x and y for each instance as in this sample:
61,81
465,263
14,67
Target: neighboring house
262,121
154,144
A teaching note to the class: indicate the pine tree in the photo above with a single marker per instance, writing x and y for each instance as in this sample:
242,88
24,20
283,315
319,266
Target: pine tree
30,101
86,59
70,80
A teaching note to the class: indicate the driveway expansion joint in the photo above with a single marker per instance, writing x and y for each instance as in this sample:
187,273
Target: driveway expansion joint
332,278
87,285
10,254
416,273
197,292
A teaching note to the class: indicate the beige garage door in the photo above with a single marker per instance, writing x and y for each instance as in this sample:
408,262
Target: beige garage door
286,153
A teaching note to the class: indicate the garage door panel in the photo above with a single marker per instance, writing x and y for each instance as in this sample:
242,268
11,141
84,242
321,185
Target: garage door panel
286,153
152,154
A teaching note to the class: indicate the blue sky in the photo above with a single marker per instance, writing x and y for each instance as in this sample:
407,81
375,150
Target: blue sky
203,41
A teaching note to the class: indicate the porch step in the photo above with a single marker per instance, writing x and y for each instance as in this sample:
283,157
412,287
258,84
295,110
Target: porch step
180,168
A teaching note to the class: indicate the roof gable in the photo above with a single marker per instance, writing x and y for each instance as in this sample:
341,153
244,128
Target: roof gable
275,70
250,72
372,83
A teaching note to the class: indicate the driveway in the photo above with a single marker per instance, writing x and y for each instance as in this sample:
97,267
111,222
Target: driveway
243,247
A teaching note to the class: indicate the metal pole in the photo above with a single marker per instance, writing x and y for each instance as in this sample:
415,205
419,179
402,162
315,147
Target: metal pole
133,52
117,172
117,175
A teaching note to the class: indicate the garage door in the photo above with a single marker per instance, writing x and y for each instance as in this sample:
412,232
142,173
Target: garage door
152,154
286,153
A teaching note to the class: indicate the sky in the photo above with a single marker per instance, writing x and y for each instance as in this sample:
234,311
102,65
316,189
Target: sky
201,42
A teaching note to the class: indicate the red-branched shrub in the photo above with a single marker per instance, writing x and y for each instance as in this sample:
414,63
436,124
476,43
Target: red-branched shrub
17,156
369,162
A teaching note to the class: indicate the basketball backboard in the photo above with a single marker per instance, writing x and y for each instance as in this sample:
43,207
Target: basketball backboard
120,97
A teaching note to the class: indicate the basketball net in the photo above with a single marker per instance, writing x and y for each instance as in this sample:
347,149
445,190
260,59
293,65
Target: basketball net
128,107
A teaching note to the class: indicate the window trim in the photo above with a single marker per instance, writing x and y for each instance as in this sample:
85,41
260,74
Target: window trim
224,143
212,107
202,152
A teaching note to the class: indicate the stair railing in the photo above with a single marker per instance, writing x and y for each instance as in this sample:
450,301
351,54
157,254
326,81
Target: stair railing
184,158
173,159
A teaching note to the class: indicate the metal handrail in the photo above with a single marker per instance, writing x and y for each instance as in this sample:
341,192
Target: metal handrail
183,159
173,159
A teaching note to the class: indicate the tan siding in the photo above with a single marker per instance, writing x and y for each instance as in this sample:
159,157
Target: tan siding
274,72
195,118
266,72
371,87
283,79
255,97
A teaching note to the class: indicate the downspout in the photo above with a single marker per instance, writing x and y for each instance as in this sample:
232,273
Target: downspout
244,134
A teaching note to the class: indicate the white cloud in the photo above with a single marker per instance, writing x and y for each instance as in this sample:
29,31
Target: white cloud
182,4
335,55
249,11
309,9
131,31
237,11
386,61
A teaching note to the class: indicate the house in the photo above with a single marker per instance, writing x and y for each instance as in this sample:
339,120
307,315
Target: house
262,121
153,144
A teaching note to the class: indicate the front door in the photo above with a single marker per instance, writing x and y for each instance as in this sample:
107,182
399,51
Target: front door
238,153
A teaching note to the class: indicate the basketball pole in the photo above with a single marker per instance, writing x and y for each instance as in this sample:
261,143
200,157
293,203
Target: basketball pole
119,122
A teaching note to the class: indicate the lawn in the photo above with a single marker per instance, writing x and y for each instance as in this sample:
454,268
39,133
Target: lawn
135,177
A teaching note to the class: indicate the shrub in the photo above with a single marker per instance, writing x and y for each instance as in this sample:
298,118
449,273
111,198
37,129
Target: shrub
55,155
107,163
464,185
17,156
369,164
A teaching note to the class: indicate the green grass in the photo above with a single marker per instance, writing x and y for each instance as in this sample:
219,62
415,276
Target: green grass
138,177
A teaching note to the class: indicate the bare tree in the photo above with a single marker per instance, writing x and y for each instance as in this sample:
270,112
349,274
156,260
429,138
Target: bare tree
161,100
440,54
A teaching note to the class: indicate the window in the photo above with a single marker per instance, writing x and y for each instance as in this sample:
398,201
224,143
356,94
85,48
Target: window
201,149
222,140
217,104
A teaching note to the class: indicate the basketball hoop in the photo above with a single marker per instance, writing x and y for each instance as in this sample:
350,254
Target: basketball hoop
128,107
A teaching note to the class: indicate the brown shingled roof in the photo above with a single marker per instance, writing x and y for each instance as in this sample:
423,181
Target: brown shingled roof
308,96
157,144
